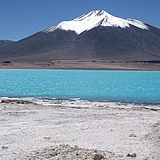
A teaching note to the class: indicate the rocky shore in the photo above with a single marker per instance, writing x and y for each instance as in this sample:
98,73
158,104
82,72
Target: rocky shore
64,131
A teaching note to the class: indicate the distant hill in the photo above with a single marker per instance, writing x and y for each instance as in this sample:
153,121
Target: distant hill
5,43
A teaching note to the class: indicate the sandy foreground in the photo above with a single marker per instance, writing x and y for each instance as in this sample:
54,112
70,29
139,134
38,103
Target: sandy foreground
69,131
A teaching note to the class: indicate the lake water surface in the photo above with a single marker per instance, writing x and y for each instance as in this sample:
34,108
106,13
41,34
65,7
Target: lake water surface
121,86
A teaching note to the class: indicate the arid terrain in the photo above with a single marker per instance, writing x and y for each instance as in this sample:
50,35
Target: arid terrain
79,130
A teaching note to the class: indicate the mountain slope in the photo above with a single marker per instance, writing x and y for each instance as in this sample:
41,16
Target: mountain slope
96,35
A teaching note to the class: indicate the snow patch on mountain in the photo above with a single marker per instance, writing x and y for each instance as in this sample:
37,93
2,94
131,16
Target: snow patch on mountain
94,19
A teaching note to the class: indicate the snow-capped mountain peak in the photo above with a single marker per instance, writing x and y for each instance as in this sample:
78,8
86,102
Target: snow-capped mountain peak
94,19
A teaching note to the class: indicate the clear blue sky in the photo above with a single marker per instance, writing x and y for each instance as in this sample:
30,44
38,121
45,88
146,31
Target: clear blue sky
21,18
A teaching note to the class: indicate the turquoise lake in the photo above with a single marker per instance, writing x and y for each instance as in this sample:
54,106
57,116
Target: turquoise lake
115,86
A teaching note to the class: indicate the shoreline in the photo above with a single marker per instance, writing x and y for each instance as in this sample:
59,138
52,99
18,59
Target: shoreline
85,65
74,102
56,131
81,69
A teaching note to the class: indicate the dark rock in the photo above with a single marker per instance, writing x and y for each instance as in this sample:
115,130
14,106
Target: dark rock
4,147
77,154
132,135
133,155
16,101
47,138
98,157
6,62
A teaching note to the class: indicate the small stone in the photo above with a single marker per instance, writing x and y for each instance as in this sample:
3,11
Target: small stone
47,138
95,151
4,147
53,154
98,157
133,155
75,147
77,154
132,135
